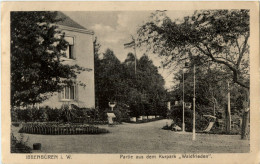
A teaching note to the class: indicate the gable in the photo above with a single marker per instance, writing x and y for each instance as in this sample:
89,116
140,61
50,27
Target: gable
67,21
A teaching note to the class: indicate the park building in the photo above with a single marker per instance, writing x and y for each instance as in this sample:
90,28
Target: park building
81,52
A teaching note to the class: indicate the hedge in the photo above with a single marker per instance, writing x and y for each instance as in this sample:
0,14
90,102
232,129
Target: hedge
46,114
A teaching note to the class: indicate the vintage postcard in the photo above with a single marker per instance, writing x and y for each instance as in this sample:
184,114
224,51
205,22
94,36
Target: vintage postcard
130,82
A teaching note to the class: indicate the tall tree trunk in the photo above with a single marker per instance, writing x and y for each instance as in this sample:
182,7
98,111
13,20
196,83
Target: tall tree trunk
228,125
244,125
246,106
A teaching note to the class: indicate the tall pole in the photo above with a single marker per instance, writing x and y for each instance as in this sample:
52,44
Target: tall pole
214,108
135,52
183,103
135,58
194,130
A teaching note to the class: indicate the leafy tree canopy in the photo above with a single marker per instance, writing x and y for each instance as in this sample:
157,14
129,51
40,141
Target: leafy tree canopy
142,91
37,48
220,36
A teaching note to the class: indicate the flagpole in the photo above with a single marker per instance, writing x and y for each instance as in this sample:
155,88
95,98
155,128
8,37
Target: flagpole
132,45
134,52
135,59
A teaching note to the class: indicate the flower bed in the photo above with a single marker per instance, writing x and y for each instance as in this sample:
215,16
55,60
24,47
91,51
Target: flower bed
60,129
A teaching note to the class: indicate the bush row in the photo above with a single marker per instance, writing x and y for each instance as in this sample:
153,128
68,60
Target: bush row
48,129
45,114
79,115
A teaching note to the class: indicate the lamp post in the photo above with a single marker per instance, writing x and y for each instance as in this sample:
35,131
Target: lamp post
229,112
183,108
183,102
193,129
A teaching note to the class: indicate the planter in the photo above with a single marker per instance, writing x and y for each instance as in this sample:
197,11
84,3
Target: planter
144,117
140,118
133,119
37,146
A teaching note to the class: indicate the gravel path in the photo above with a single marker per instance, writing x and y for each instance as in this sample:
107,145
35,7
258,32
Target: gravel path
139,138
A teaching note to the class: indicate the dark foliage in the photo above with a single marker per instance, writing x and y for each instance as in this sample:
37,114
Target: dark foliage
19,146
136,93
201,122
47,114
37,48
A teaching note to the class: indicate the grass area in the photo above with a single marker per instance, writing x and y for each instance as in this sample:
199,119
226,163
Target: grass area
139,138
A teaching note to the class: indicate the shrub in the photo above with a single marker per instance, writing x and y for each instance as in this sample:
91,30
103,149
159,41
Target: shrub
121,112
16,124
14,115
162,110
24,115
43,116
64,114
53,114
177,114
19,146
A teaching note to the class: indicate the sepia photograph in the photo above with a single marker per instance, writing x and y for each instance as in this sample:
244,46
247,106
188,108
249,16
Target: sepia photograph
130,82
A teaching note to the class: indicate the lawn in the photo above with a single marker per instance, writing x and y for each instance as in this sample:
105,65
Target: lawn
138,138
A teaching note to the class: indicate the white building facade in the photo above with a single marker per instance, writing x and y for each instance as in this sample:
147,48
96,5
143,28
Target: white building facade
81,52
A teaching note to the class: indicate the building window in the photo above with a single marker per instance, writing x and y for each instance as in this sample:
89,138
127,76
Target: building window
68,93
69,51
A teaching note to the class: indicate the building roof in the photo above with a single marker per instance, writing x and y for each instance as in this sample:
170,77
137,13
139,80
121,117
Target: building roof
67,21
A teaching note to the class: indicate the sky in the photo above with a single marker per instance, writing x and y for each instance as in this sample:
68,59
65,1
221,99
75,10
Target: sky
114,28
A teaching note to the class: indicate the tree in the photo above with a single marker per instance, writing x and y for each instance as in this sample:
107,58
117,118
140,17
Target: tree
96,46
220,36
108,72
150,85
142,91
37,48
